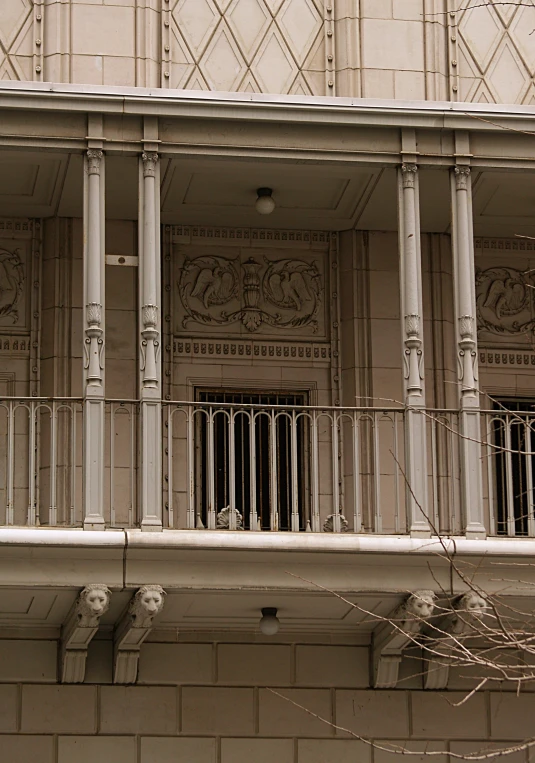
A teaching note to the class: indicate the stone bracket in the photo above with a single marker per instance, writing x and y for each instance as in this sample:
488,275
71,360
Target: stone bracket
132,630
468,609
79,628
398,631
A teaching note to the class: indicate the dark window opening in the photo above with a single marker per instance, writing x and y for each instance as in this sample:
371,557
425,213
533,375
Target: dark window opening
514,432
276,467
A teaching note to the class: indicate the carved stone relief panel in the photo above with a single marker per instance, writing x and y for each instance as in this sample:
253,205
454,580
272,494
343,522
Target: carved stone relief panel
13,267
505,293
240,291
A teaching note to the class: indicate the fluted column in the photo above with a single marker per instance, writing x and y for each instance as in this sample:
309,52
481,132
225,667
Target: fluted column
413,351
464,278
150,341
93,445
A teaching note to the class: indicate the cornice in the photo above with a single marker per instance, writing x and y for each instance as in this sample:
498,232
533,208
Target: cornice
265,108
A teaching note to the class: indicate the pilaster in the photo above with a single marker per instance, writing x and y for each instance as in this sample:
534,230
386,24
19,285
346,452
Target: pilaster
413,350
150,375
94,338
464,279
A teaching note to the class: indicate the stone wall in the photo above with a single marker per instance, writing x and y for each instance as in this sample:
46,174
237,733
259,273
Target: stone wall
407,49
209,702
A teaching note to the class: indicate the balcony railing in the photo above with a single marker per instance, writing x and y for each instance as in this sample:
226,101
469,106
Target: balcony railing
263,467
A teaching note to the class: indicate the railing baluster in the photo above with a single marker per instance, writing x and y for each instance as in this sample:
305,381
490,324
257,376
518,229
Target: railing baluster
529,478
336,471
232,469
211,519
253,516
10,514
190,445
315,508
397,475
112,465
31,518
273,476
295,476
510,500
377,474
72,509
52,517
170,507
357,518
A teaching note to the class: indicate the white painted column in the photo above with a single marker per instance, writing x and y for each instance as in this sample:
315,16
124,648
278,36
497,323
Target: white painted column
93,444
413,351
149,342
464,279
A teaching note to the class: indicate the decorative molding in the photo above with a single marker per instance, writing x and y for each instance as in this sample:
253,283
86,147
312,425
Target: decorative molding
94,160
23,226
336,523
505,244
504,299
245,237
468,610
217,291
132,631
462,174
80,626
409,173
93,343
295,351
394,636
229,519
490,359
150,161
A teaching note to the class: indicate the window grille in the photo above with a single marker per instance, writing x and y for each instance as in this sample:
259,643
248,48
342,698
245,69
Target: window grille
270,463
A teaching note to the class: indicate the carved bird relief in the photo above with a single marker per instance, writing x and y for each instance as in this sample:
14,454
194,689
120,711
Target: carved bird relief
504,301
213,286
291,284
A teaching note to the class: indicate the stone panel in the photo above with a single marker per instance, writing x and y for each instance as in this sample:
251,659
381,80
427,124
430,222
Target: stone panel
101,749
511,717
185,750
217,711
65,709
138,710
333,751
23,749
255,664
175,664
28,661
280,717
258,750
364,712
332,666
434,717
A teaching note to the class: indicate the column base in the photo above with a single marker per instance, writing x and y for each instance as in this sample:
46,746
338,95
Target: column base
475,532
94,523
151,526
417,533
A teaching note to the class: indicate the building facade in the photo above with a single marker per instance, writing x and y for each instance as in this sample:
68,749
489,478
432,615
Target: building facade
207,411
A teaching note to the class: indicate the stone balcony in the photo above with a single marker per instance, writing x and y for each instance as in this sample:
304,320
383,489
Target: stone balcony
264,468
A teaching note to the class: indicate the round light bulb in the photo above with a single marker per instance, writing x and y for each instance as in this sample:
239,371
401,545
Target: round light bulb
265,204
269,624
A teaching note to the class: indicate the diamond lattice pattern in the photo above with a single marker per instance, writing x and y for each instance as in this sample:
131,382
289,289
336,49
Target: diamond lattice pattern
16,39
497,52
268,46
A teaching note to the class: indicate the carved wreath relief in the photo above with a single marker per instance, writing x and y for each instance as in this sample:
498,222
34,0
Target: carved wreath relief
504,299
11,284
282,293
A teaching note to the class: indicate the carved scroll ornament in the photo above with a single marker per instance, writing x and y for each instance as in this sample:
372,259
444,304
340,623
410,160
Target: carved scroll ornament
11,283
504,299
281,293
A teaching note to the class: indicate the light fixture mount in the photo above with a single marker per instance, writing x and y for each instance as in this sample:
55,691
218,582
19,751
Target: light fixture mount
269,624
265,203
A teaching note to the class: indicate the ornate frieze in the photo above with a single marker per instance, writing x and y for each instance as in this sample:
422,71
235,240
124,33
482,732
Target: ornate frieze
245,237
304,351
217,291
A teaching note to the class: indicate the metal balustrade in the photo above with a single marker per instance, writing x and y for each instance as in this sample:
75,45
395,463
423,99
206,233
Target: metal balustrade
41,476
263,467
508,456
302,468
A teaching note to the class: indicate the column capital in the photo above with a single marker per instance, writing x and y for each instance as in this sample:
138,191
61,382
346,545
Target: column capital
94,159
150,160
462,173
408,174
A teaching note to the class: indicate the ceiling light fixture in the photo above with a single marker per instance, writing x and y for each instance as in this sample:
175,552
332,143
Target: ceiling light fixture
269,624
265,203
